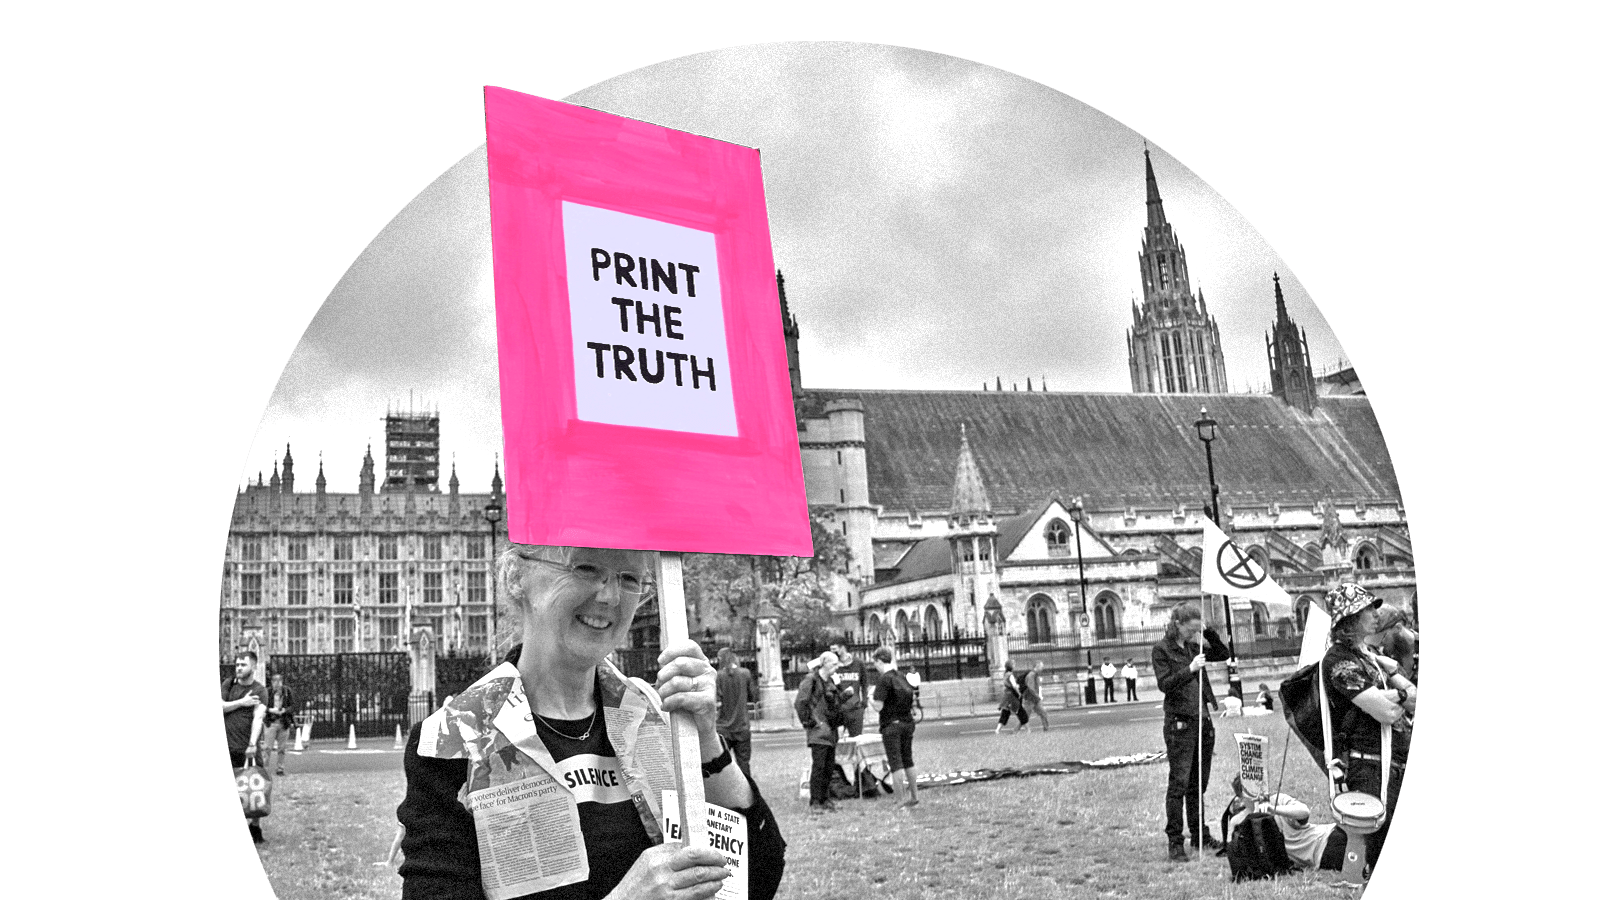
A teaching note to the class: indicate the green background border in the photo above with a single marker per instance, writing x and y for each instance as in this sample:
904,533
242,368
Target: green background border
186,186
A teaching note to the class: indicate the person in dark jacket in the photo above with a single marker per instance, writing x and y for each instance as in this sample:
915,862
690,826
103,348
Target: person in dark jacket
851,677
556,739
1179,661
279,723
817,704
1367,693
736,690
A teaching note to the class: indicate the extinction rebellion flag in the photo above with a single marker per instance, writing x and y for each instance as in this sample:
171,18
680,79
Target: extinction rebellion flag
1229,571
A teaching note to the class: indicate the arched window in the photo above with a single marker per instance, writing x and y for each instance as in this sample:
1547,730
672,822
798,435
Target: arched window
1314,548
932,625
966,551
1041,617
1057,539
1258,619
1366,557
902,626
1302,608
875,628
1107,615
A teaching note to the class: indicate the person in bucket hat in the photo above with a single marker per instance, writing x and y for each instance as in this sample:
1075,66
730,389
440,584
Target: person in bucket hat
1366,692
1347,600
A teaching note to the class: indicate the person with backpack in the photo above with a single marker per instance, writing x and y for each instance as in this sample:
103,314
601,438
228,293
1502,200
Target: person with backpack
1179,662
817,704
1269,836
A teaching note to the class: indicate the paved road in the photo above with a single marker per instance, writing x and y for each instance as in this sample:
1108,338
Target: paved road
379,755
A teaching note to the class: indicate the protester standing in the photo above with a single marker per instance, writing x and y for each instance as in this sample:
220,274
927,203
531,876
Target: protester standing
525,784
1366,693
1108,674
852,681
244,707
1011,701
816,702
736,690
1179,661
892,699
1086,684
1130,680
1033,693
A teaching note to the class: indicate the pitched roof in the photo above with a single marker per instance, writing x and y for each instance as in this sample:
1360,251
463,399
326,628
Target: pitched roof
1116,448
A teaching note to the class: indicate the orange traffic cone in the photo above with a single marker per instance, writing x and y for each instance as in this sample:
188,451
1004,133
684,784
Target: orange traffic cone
351,745
300,739
399,739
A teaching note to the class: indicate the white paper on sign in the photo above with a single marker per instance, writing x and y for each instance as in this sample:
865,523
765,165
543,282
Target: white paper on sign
649,346
729,836
1253,763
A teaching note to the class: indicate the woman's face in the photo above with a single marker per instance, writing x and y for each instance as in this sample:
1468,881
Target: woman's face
1188,628
575,622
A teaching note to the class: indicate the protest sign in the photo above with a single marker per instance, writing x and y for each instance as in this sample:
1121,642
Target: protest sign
1253,763
729,836
644,385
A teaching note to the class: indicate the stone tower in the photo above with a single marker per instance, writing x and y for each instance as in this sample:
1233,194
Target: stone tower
1289,359
1173,346
972,543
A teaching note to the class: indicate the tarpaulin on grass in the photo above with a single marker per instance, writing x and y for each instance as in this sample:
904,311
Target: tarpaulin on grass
1066,767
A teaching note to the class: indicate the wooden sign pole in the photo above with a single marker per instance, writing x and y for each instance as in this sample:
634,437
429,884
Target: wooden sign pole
685,736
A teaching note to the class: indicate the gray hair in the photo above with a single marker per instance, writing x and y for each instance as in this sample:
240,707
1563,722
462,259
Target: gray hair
516,578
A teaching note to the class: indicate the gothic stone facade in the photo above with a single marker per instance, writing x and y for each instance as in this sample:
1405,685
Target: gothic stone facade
319,572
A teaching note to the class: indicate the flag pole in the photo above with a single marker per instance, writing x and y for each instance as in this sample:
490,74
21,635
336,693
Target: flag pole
685,735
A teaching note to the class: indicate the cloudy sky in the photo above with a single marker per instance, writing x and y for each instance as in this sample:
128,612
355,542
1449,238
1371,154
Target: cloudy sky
939,224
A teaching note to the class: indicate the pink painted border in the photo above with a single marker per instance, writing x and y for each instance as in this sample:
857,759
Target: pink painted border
587,484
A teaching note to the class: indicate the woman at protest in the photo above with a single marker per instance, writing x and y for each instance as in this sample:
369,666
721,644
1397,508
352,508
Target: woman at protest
1011,702
556,741
1179,662
892,699
818,705
1366,693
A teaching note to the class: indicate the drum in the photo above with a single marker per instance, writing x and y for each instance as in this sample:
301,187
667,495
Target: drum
1358,812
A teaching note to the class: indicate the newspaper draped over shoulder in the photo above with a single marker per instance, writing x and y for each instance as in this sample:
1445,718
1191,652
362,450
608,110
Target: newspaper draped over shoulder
525,813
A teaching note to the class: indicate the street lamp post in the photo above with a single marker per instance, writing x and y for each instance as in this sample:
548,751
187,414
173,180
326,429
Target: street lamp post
1083,585
1206,427
491,514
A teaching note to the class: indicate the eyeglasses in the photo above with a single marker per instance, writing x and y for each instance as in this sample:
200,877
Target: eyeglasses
593,576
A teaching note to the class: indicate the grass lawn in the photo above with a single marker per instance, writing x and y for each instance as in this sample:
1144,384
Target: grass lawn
1093,834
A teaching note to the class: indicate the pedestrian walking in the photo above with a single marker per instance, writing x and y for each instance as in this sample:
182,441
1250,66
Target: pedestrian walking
1130,680
1011,701
244,707
1108,674
1033,693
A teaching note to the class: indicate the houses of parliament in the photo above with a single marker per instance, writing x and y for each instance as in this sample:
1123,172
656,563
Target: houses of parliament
1063,519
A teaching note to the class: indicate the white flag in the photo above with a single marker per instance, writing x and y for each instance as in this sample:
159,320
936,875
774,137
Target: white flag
1226,569
1315,641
